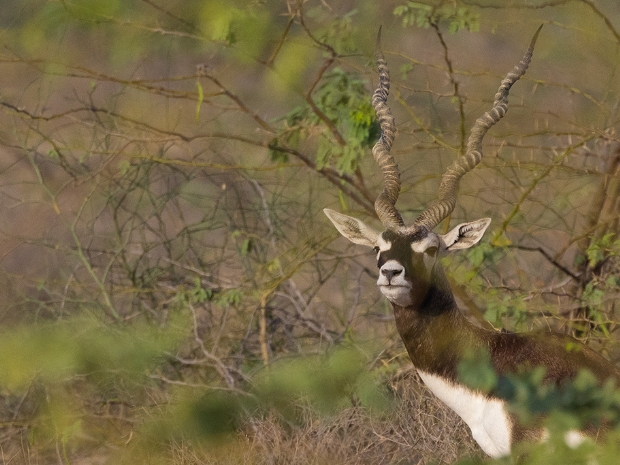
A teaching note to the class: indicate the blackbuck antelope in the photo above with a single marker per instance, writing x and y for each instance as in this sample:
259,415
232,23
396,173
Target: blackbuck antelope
437,336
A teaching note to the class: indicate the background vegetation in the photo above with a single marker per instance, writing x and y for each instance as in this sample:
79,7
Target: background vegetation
172,292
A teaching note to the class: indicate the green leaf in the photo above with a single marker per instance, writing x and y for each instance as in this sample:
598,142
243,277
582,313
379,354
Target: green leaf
246,246
274,265
200,100
343,203
124,166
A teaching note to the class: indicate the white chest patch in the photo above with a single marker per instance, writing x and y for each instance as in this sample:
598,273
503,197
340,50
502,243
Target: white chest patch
487,418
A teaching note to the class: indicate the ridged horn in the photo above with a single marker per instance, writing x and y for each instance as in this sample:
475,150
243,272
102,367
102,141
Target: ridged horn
449,185
385,203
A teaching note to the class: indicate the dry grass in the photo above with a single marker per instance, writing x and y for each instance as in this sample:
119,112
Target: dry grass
419,430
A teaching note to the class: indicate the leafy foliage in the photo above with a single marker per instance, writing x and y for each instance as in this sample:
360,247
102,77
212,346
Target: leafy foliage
330,383
605,248
340,33
457,16
56,352
345,101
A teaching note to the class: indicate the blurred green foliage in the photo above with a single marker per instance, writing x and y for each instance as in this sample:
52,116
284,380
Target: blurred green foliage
55,352
327,382
286,389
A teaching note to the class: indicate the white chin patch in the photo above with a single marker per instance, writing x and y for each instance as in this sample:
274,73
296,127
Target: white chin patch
399,295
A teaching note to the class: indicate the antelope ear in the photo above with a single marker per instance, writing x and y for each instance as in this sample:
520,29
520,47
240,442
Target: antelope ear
465,235
352,228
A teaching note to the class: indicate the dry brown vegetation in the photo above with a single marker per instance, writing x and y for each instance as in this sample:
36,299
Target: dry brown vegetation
416,431
163,167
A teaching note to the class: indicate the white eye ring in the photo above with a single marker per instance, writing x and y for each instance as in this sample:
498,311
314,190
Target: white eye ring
428,242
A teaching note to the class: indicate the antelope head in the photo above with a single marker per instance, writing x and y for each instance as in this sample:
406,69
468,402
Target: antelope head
407,254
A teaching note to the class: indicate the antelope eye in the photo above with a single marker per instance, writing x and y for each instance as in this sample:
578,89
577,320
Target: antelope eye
376,248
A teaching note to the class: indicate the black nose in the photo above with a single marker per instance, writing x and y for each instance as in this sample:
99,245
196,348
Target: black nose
389,274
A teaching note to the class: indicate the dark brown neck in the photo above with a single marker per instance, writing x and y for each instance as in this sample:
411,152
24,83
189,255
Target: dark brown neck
437,337
435,332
